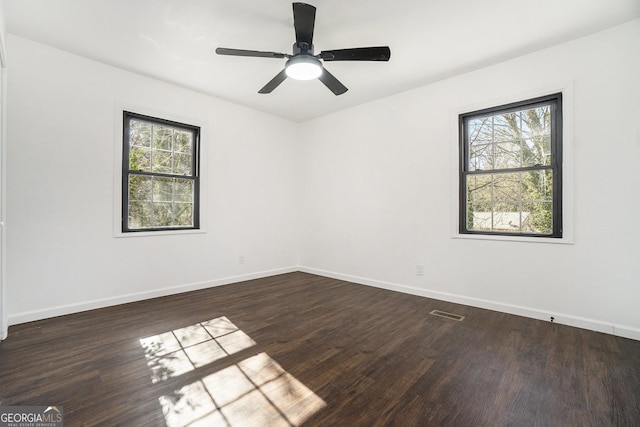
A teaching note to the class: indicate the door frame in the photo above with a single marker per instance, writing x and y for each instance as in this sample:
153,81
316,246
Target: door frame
4,321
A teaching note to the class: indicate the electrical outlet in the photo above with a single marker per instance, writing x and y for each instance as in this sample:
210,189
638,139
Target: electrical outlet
419,270
240,259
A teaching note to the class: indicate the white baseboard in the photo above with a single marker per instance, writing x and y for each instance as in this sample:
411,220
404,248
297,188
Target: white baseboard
560,318
61,310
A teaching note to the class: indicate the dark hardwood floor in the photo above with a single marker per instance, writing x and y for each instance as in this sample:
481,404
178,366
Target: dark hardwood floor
299,348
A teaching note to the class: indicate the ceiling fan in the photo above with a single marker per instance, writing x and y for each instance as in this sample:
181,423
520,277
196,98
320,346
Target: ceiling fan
302,64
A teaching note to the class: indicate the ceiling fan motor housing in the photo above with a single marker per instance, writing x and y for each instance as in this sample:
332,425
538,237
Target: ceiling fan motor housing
302,48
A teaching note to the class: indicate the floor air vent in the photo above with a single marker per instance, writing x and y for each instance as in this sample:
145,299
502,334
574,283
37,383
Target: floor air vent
447,315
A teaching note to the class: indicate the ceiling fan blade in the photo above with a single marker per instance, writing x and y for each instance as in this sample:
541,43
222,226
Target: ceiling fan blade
379,53
274,83
253,53
304,17
332,83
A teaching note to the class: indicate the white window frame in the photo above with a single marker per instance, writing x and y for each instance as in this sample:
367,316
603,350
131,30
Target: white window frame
567,90
117,170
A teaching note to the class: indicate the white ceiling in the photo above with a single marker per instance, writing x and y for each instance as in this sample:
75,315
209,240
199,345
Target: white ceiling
174,40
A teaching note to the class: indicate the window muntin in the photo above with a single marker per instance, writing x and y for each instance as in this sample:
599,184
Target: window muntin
511,169
160,185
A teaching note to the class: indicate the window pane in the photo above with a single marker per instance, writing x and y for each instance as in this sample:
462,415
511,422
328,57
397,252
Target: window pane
536,151
161,161
480,130
140,215
480,144
536,134
182,164
506,187
479,217
507,155
537,185
506,219
479,189
183,214
140,159
480,202
480,157
140,133
162,189
510,140
183,190
157,202
162,214
539,217
140,188
162,137
183,142
506,127
510,202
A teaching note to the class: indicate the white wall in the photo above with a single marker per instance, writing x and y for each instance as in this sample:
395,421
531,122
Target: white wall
64,139
378,191
366,202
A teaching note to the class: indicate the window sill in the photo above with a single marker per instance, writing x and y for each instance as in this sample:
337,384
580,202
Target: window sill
561,241
157,233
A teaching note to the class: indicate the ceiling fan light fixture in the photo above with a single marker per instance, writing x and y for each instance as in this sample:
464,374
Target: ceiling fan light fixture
303,67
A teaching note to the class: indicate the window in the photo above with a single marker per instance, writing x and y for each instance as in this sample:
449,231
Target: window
160,180
511,169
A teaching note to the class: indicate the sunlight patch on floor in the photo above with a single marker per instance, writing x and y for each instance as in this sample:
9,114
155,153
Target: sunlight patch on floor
254,392
177,352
